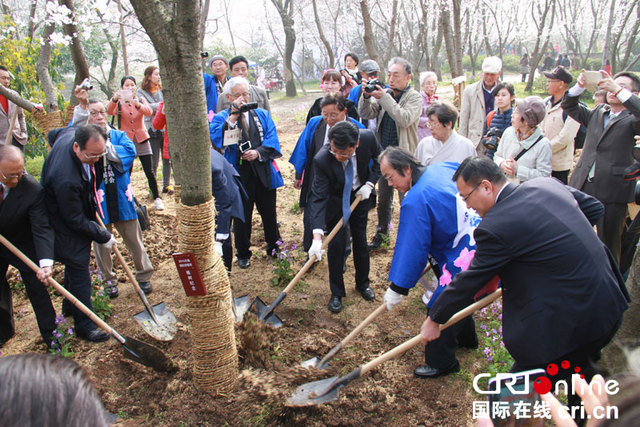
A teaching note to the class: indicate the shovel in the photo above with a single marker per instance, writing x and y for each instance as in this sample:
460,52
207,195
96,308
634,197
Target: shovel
324,362
265,312
323,391
133,349
240,307
158,321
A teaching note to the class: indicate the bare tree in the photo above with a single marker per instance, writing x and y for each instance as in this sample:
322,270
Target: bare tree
607,39
368,37
542,14
325,42
42,66
204,14
77,51
625,36
123,39
285,9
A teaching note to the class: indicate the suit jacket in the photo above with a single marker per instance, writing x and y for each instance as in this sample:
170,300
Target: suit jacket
609,148
19,129
258,95
226,192
69,196
560,289
24,220
325,201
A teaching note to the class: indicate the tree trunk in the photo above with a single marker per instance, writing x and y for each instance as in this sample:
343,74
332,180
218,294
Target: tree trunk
368,37
607,39
392,32
457,38
543,23
325,42
77,51
31,28
173,27
123,40
445,23
285,10
42,68
203,22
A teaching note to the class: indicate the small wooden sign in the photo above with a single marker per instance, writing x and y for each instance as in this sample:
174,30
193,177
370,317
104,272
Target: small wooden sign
189,274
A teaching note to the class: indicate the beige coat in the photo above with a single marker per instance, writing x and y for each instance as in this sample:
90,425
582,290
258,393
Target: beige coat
406,115
472,114
19,129
561,134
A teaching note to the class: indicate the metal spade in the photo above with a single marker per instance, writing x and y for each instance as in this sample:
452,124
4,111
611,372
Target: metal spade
323,391
264,311
133,349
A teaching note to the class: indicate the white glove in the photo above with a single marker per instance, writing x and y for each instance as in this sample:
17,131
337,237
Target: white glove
365,191
392,298
316,249
219,248
111,243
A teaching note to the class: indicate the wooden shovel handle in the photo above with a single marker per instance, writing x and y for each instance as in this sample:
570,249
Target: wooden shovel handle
325,244
415,340
12,125
65,293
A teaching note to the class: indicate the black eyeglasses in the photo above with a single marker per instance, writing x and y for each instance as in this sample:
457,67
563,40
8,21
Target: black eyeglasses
464,199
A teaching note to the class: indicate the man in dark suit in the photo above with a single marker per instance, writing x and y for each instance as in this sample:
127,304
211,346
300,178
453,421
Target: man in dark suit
25,223
70,176
348,167
563,296
607,150
225,183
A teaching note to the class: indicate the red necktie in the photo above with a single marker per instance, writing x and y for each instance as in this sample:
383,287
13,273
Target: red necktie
95,192
1,193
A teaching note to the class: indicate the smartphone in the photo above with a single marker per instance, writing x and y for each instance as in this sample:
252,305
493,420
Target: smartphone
245,146
591,79
513,391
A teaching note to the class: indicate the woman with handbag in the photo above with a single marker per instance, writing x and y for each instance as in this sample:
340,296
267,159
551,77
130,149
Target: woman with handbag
131,113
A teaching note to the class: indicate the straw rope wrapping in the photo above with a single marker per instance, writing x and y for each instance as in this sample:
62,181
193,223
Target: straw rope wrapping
48,121
215,357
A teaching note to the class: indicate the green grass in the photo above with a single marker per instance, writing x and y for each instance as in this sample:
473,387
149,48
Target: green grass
34,166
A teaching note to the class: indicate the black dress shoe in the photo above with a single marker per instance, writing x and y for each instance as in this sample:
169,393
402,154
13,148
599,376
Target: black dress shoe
146,287
94,335
367,293
244,262
378,240
66,308
427,371
111,291
335,304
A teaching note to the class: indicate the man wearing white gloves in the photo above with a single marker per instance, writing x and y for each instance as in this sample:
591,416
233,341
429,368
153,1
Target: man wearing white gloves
346,168
434,221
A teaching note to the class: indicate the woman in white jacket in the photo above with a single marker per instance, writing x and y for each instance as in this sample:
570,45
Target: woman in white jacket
524,152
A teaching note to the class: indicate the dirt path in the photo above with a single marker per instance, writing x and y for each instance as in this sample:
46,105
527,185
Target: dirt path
388,396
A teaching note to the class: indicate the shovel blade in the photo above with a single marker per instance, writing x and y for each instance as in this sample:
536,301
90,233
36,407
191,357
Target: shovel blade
147,355
260,308
313,363
300,396
166,327
241,306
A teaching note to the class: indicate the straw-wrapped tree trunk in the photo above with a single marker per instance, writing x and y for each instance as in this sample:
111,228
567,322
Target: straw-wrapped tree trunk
174,29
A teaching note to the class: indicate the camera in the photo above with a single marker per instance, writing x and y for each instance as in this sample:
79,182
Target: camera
245,107
204,55
493,135
372,85
244,146
86,84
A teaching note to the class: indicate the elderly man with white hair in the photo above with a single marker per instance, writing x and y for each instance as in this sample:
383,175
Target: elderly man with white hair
247,137
477,102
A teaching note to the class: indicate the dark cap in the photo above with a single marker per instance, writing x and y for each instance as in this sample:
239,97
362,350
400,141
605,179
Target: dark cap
531,109
559,73
370,66
216,57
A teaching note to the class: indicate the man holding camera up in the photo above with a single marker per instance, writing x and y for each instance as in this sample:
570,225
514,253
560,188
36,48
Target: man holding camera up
247,137
398,111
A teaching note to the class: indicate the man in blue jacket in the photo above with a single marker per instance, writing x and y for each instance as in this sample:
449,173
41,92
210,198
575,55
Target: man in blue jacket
115,196
250,143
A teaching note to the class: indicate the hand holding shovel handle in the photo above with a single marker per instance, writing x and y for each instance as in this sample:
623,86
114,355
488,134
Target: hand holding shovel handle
307,265
65,293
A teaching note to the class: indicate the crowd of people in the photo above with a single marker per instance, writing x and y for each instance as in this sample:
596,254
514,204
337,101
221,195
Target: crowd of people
482,191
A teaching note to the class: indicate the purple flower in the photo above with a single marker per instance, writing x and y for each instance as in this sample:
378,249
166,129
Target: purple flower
483,327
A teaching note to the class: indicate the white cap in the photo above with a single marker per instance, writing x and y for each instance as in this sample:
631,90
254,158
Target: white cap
491,65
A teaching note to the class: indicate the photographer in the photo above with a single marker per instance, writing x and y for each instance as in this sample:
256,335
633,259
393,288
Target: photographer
524,152
499,119
247,136
398,111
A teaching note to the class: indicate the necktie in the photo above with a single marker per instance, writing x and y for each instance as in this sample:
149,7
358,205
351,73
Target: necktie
346,192
1,193
95,192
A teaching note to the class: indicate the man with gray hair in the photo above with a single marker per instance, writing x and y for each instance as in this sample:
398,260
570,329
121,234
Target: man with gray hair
398,111
477,102
248,139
